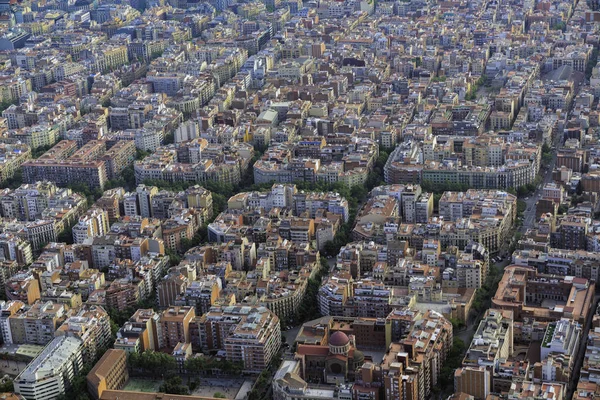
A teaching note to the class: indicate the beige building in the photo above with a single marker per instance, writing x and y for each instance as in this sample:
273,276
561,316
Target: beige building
91,324
38,324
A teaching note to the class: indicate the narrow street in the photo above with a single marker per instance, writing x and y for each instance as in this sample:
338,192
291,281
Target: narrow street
529,214
466,335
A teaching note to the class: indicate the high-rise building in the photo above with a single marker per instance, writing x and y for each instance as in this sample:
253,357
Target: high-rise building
144,197
38,324
91,324
249,335
51,372
476,381
175,325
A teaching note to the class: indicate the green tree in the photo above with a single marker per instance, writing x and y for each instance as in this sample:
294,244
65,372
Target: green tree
522,191
521,207
13,182
330,248
174,258
359,192
6,103
456,323
114,328
546,148
254,395
309,307
518,236
155,364
195,365
141,154
7,387
38,151
174,385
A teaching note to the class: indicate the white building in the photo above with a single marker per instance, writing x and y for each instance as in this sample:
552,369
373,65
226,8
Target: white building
561,337
51,372
148,139
187,131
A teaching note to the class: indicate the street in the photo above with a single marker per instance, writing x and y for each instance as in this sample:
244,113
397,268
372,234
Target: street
466,334
529,214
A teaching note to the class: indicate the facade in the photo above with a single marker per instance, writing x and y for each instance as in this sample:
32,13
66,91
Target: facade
91,324
50,373
13,156
475,381
87,165
288,385
175,325
248,335
38,324
142,332
492,344
562,337
109,373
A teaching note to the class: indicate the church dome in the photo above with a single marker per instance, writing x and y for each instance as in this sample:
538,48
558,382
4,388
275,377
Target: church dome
338,339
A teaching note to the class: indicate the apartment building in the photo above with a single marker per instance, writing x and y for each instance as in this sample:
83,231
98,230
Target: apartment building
119,157
420,353
562,337
88,165
23,287
170,287
13,249
201,294
493,341
109,202
91,325
93,223
7,310
175,325
38,324
457,205
537,391
50,374
12,156
27,202
284,296
250,335
109,373
35,136
475,381
590,370
571,233
142,332
289,385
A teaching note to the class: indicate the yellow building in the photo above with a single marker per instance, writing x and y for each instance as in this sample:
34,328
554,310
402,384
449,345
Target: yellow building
109,373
